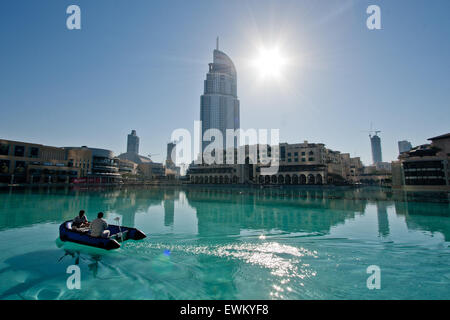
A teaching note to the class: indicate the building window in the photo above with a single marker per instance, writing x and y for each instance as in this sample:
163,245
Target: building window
19,151
289,160
303,159
20,167
303,153
310,159
4,166
4,149
282,153
311,153
34,152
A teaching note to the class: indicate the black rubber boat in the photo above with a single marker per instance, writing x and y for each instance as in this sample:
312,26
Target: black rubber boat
82,236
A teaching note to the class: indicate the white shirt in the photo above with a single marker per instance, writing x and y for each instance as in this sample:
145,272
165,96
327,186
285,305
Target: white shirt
97,227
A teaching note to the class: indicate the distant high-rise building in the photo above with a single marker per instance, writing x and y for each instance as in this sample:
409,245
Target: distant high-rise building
170,162
376,148
404,146
219,105
133,143
132,153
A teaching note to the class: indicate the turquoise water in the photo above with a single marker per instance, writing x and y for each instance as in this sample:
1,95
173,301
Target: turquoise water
206,243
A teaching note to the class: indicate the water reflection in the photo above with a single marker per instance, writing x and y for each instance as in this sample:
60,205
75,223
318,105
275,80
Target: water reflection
383,220
37,273
426,217
230,211
92,261
169,207
239,243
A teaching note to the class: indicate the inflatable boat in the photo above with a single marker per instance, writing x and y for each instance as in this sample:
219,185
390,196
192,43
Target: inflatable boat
82,236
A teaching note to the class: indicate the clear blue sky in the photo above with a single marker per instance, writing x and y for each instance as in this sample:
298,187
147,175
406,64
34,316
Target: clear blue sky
141,64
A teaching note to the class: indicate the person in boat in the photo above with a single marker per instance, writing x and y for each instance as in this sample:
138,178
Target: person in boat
80,221
99,227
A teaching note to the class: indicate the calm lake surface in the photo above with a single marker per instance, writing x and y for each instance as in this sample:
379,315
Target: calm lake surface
209,243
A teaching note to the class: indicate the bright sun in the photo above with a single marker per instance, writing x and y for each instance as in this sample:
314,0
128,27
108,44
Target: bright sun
270,63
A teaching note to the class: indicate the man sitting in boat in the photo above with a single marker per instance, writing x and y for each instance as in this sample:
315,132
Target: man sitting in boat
99,226
80,221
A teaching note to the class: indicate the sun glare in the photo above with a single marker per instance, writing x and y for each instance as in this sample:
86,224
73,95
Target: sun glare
270,63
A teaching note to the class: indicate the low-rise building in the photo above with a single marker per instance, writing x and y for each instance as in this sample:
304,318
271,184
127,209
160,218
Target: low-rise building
425,166
126,167
23,162
80,158
151,170
384,167
356,169
97,166
302,163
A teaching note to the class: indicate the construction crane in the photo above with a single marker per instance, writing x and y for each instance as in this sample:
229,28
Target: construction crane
374,131
371,131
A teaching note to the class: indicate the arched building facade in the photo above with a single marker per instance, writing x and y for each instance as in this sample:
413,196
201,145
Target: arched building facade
299,164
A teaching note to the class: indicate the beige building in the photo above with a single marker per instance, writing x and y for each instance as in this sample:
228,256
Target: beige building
126,167
22,162
81,158
151,170
356,168
302,163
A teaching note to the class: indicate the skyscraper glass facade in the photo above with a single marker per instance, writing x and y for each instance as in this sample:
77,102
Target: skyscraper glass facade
404,146
133,143
376,149
219,105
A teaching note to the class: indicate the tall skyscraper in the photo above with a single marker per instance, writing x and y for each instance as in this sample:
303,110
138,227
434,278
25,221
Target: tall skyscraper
219,105
133,143
170,162
170,147
376,148
404,146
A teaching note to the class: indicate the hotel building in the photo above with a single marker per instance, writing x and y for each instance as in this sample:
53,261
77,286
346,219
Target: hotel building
219,104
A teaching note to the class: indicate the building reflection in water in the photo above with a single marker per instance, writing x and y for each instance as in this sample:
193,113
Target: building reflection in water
425,216
229,211
92,260
219,216
169,208
383,219
221,212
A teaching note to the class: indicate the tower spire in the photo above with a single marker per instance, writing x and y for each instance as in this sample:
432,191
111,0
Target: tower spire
217,44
